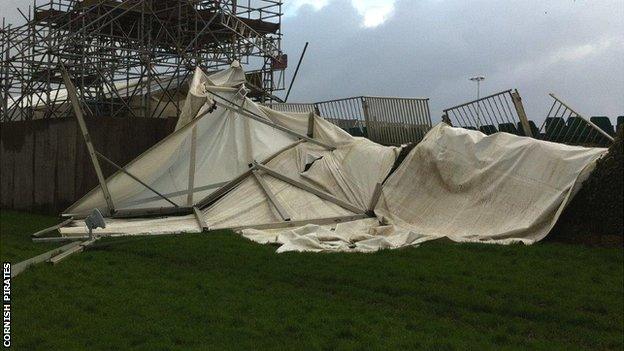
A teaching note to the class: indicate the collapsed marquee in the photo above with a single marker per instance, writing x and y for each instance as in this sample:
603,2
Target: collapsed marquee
297,180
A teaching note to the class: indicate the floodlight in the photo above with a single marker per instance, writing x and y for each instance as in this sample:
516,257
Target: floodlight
94,220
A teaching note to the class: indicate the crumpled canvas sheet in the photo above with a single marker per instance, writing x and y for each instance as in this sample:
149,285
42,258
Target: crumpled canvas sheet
226,144
462,185
364,235
334,172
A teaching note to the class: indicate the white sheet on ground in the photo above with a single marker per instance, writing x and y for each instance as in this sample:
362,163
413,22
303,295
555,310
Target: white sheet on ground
462,185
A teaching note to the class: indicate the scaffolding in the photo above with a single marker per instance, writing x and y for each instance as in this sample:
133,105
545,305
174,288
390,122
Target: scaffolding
132,58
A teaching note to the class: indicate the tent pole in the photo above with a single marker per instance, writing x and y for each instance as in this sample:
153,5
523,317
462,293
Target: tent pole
374,199
156,211
298,223
231,184
119,168
54,227
311,117
191,177
201,221
21,266
75,249
245,112
71,92
153,147
296,71
271,196
321,194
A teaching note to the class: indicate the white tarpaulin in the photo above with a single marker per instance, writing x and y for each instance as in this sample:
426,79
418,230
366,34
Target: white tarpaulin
226,143
462,185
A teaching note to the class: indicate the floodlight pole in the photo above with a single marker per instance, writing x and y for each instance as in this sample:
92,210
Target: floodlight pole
478,79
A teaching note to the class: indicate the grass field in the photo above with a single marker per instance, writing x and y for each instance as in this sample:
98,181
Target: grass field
220,291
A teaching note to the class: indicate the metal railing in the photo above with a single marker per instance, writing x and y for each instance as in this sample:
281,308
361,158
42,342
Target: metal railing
385,120
504,112
564,125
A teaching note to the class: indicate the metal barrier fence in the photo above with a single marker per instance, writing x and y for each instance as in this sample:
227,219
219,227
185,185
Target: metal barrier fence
497,112
504,112
564,125
293,107
385,120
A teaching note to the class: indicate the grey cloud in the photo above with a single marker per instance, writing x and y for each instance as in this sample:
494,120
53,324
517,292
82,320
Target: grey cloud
431,47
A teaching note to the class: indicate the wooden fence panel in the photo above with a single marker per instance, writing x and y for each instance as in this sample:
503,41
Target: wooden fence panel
66,165
45,165
23,168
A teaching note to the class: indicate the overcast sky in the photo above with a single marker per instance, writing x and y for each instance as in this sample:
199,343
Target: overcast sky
429,48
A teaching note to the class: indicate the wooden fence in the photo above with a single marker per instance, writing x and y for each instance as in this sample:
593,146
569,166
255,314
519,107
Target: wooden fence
44,163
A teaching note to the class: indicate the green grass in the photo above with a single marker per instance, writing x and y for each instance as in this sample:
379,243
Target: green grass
15,230
220,291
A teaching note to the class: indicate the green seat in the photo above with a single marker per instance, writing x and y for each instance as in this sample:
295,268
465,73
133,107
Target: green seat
355,131
470,127
556,129
604,123
534,129
488,129
508,128
578,131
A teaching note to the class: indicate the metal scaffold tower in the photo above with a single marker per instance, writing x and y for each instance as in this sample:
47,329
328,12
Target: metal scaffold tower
134,58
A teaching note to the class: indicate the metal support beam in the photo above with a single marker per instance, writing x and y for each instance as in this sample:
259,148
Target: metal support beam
311,118
71,92
305,48
54,227
154,212
299,223
75,249
234,182
517,101
201,221
22,266
323,195
272,199
123,170
375,198
245,112
191,176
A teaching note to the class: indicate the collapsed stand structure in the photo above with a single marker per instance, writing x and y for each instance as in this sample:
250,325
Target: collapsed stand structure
134,57
299,181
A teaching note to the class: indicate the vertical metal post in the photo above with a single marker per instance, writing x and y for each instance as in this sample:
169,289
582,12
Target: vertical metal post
191,178
517,101
311,125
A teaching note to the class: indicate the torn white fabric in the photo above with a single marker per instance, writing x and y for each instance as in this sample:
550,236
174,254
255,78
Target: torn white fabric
465,186
226,143
355,236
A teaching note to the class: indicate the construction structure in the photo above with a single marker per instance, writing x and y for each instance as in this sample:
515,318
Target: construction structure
134,57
